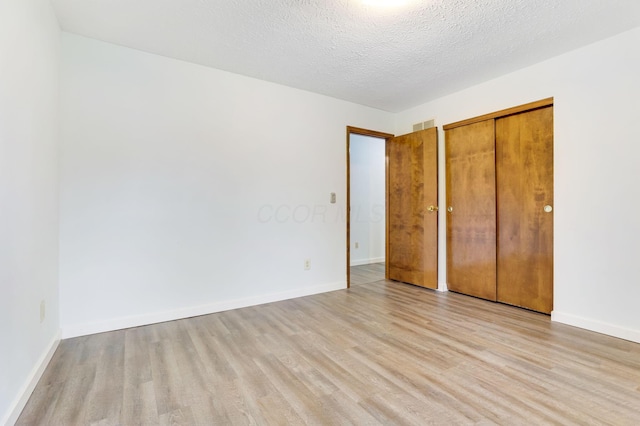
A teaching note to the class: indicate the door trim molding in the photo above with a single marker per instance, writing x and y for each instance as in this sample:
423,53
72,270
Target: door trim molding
502,113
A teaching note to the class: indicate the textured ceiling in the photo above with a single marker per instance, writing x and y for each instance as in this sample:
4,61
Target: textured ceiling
391,59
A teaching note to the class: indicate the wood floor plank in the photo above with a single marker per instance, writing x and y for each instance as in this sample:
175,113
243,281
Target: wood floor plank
380,352
366,274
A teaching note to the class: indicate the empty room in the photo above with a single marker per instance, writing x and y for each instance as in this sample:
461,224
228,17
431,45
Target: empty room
338,212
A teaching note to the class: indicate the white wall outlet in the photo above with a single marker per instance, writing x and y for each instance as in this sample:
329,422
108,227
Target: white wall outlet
332,198
357,245
43,307
307,264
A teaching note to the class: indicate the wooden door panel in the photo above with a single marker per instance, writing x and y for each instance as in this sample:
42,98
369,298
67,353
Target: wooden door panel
471,225
524,164
412,172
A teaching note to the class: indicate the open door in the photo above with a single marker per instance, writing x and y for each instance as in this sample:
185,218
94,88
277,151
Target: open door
412,208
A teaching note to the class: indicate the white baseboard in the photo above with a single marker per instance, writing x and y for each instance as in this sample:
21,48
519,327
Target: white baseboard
597,326
32,380
76,330
361,262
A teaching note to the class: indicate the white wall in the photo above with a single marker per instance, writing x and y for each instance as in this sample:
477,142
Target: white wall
597,195
367,199
29,56
187,190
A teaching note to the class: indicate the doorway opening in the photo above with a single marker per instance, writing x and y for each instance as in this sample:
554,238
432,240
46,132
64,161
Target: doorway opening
366,205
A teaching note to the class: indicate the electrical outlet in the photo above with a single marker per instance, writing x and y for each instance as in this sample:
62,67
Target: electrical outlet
43,307
357,244
307,264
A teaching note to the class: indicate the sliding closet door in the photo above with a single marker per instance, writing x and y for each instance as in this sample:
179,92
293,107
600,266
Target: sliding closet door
524,173
471,209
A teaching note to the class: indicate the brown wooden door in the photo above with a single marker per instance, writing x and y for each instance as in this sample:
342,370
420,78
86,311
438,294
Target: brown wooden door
471,209
524,167
412,230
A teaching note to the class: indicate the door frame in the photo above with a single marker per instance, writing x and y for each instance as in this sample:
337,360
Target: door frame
376,134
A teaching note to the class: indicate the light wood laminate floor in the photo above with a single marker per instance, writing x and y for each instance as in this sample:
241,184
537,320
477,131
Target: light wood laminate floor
367,274
381,353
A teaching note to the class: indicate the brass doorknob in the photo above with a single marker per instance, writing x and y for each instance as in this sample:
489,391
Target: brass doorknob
548,208
432,208
450,209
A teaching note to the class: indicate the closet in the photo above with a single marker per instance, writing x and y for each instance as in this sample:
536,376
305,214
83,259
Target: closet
499,182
